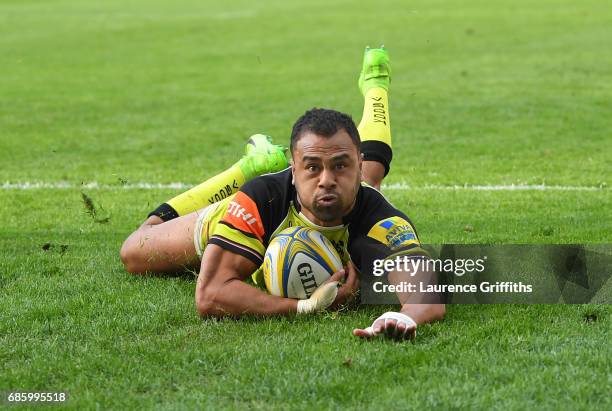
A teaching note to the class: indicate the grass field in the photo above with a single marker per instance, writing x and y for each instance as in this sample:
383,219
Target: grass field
162,92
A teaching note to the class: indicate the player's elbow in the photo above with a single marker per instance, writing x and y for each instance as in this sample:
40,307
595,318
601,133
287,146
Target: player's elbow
211,302
205,301
438,311
204,307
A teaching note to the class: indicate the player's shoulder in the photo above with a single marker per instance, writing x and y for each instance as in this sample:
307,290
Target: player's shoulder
270,187
271,195
267,198
373,209
373,201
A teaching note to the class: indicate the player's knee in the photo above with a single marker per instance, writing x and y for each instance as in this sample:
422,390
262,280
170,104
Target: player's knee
131,258
373,173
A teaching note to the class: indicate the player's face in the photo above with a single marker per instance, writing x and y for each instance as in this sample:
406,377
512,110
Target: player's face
326,174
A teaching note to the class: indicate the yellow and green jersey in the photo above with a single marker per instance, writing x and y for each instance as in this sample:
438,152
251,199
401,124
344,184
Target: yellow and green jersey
245,222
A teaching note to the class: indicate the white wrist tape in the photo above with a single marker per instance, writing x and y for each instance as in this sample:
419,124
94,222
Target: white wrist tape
392,315
322,298
304,306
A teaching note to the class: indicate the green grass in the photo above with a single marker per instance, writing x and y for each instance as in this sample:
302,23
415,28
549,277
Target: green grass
511,93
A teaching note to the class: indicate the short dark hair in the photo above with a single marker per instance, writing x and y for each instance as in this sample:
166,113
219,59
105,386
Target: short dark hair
324,122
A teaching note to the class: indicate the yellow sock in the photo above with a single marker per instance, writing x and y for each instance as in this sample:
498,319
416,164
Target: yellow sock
375,123
262,156
209,192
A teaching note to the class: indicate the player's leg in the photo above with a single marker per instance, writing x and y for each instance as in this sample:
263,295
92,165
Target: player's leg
262,156
375,126
161,247
164,242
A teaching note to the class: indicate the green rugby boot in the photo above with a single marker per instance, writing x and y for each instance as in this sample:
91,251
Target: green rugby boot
262,157
376,70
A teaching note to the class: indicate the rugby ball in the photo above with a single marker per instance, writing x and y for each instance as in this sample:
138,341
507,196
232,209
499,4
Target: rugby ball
297,261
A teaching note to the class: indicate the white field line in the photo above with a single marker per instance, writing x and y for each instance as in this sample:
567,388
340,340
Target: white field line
473,187
28,185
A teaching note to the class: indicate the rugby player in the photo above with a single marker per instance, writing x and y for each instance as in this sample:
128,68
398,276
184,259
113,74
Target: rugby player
224,225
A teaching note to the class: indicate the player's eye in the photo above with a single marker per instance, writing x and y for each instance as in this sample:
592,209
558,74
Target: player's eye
340,166
312,168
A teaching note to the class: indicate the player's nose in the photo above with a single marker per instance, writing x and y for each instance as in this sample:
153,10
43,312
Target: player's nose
327,178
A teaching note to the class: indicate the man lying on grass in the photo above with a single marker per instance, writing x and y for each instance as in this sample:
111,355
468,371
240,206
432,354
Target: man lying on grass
322,189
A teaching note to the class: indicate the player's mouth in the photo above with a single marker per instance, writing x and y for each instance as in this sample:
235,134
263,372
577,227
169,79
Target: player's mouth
327,200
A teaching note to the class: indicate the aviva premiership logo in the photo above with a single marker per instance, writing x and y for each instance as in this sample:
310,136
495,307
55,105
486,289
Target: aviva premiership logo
394,232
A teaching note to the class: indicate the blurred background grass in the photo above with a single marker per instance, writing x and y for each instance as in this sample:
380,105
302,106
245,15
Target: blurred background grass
511,92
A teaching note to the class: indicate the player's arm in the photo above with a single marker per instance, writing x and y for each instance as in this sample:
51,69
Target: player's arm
221,290
415,309
392,236
422,308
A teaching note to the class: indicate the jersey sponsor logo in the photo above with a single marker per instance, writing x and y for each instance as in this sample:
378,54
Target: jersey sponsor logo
242,213
238,211
394,232
386,224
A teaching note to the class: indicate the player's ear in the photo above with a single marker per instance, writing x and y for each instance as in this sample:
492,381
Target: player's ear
292,171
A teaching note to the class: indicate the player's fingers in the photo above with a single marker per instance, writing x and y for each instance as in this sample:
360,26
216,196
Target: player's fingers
363,333
400,330
338,276
350,269
410,334
351,275
378,327
346,293
390,327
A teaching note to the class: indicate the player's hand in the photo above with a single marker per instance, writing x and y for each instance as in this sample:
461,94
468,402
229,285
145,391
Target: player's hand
349,284
322,297
391,325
